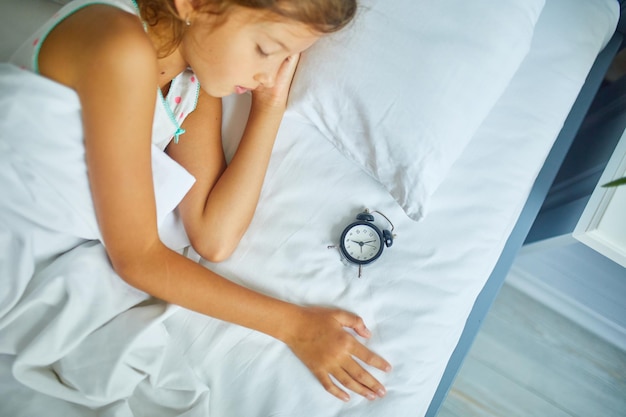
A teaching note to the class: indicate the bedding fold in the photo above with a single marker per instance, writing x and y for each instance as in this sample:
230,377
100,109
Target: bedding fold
61,299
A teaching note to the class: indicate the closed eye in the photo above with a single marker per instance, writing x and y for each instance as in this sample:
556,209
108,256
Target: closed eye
261,52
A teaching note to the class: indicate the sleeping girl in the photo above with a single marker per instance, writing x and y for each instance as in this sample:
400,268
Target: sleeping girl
120,57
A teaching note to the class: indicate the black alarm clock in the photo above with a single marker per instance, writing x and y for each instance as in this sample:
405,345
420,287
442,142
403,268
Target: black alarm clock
362,242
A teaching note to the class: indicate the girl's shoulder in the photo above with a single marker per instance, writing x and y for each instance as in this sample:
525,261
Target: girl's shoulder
98,37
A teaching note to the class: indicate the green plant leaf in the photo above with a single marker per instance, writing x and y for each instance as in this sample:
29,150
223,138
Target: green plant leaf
615,183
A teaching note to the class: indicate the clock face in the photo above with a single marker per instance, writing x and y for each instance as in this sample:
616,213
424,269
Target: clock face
361,243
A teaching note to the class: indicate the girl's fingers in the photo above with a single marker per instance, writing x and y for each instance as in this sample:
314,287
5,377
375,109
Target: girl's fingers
371,358
277,94
286,73
360,381
291,63
353,377
333,389
335,356
354,322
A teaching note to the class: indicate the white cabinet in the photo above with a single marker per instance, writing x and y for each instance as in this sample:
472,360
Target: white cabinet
602,225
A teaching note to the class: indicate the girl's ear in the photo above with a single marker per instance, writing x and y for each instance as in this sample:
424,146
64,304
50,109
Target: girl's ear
185,9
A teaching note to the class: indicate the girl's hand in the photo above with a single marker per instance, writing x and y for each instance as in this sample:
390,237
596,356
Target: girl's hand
276,96
326,348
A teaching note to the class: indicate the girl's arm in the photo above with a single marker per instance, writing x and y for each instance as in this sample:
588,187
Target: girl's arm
218,209
112,66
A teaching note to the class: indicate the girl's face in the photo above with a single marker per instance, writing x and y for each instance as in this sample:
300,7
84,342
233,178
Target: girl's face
243,51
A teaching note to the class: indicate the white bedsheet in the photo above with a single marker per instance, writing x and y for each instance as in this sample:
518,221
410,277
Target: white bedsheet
85,337
417,296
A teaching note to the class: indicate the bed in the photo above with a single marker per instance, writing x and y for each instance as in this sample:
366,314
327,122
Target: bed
453,125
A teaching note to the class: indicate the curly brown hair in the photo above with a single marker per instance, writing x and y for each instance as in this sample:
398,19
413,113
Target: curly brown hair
323,16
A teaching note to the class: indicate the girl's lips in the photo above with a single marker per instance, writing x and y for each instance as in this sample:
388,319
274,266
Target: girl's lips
240,90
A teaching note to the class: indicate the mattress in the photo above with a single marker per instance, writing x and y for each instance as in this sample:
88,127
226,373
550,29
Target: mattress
415,298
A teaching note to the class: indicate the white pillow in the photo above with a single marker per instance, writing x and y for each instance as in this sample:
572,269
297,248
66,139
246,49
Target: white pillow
402,90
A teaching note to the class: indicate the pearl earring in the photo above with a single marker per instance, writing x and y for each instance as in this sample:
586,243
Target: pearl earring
188,22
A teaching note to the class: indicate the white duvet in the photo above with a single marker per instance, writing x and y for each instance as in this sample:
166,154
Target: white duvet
60,300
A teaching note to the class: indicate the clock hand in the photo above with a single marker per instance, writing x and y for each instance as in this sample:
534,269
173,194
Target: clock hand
360,244
363,243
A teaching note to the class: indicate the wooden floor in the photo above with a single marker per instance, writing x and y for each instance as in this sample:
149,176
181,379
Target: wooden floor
530,361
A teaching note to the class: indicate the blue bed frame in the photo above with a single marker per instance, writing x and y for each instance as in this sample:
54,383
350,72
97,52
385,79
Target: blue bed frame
529,213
